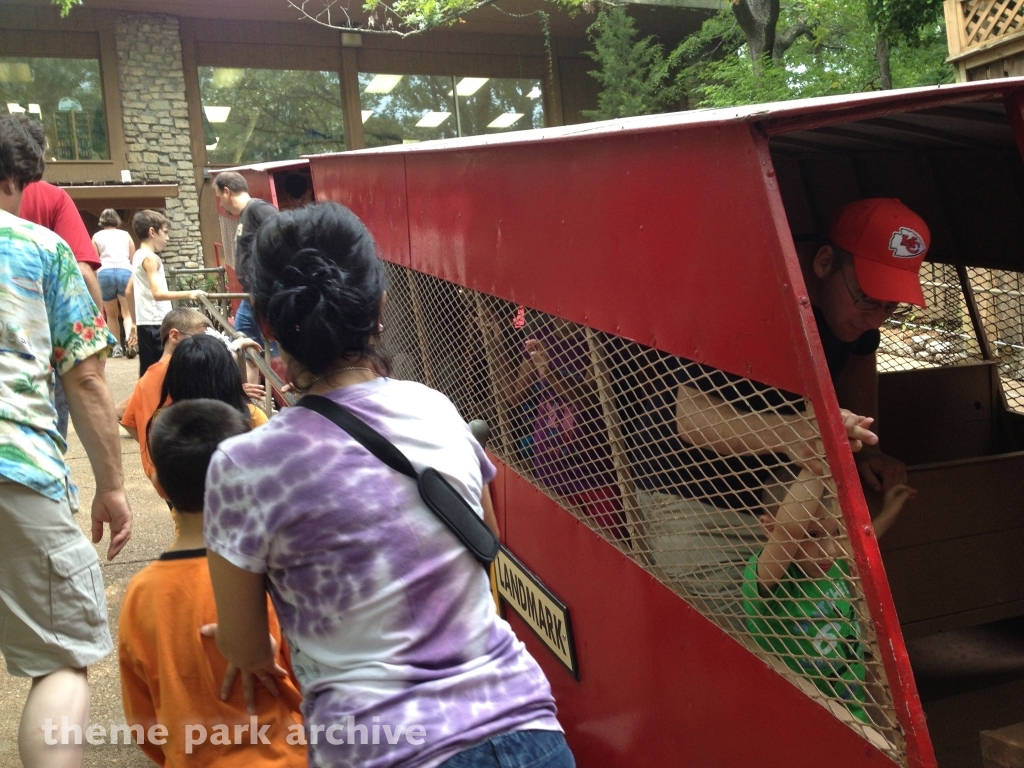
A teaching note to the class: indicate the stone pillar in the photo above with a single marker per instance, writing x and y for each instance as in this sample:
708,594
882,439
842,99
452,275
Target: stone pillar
156,129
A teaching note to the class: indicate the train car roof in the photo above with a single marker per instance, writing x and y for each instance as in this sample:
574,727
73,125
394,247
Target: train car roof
963,114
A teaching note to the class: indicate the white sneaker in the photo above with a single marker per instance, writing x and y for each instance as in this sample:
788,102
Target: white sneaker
118,352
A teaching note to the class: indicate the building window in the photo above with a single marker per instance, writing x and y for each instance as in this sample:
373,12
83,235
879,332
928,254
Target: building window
258,115
402,109
66,95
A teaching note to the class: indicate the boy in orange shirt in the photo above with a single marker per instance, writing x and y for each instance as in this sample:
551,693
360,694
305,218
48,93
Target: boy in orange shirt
171,674
145,398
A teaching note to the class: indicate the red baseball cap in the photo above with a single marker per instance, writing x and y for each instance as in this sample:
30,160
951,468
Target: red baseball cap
888,242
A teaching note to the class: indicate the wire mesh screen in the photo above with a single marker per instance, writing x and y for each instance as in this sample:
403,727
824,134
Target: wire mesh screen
939,334
1000,298
942,333
228,227
685,469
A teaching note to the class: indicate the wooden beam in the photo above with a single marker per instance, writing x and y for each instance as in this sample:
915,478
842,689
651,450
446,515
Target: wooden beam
351,107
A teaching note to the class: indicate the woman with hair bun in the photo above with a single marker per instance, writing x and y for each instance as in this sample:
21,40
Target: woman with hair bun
394,636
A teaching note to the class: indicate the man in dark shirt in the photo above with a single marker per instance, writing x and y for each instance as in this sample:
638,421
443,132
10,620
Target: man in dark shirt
708,448
233,193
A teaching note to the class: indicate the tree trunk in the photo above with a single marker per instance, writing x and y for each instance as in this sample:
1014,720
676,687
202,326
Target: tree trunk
882,57
758,20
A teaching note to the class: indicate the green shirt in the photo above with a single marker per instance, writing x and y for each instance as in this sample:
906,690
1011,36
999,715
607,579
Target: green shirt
811,624
48,323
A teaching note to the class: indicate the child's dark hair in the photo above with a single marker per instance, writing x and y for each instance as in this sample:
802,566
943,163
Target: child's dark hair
201,367
318,283
182,439
21,157
143,221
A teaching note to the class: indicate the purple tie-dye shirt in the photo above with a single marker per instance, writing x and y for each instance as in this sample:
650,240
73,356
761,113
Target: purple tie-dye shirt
389,618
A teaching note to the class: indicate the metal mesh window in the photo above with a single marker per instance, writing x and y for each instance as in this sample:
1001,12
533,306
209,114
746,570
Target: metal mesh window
942,333
1000,298
228,228
680,466
939,334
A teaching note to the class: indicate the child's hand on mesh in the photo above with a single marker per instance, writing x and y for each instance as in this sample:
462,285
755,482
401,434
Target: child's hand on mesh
896,496
892,503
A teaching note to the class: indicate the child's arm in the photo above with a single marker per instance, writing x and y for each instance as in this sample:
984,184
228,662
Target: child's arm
892,503
789,528
152,268
136,697
243,628
129,297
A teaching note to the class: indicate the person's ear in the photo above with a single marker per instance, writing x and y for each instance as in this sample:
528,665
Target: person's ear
824,261
380,310
767,525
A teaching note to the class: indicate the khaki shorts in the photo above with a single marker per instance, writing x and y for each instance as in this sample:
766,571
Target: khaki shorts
701,549
53,612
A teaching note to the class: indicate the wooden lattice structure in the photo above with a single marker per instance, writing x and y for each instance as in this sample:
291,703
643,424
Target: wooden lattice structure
986,38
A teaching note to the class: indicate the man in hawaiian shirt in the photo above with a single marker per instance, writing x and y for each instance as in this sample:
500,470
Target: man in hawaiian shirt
52,606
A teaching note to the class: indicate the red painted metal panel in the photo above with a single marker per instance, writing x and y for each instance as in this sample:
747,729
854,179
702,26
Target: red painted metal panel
659,238
659,684
374,188
866,555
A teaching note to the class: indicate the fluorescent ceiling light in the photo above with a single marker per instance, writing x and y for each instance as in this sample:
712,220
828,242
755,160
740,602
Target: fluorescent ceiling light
15,109
217,114
433,119
535,93
367,114
35,110
383,83
504,121
467,86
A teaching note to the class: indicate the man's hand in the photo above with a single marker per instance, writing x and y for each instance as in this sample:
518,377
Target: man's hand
112,507
265,672
879,471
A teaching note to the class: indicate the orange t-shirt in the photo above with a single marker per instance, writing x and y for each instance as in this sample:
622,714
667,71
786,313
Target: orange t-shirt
171,675
142,404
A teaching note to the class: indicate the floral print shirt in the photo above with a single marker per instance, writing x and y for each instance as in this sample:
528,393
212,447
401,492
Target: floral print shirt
48,323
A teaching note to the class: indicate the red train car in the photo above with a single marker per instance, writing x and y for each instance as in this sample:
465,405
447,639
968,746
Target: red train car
638,248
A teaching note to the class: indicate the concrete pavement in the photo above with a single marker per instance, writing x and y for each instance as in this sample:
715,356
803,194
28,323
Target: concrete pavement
152,532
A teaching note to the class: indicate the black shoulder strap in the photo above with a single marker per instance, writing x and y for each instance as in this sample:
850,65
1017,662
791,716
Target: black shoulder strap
437,493
363,433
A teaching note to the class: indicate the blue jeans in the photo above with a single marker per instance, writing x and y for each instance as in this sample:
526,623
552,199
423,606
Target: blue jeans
113,282
245,322
517,749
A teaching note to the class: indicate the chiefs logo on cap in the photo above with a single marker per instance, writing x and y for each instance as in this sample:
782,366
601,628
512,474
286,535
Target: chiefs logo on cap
905,243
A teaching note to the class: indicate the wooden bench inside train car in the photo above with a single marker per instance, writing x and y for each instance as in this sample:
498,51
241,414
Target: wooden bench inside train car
954,556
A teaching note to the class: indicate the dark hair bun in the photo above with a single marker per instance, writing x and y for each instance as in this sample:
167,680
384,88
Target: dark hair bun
319,284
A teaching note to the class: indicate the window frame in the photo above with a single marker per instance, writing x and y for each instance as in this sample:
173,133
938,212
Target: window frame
93,44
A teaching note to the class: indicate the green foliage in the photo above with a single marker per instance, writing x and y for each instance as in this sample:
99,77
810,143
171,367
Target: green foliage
66,6
904,21
836,55
636,76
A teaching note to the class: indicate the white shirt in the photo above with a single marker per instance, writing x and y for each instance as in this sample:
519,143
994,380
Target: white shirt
148,311
113,246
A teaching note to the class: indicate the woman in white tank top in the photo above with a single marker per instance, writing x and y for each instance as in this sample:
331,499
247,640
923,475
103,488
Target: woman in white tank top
115,248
